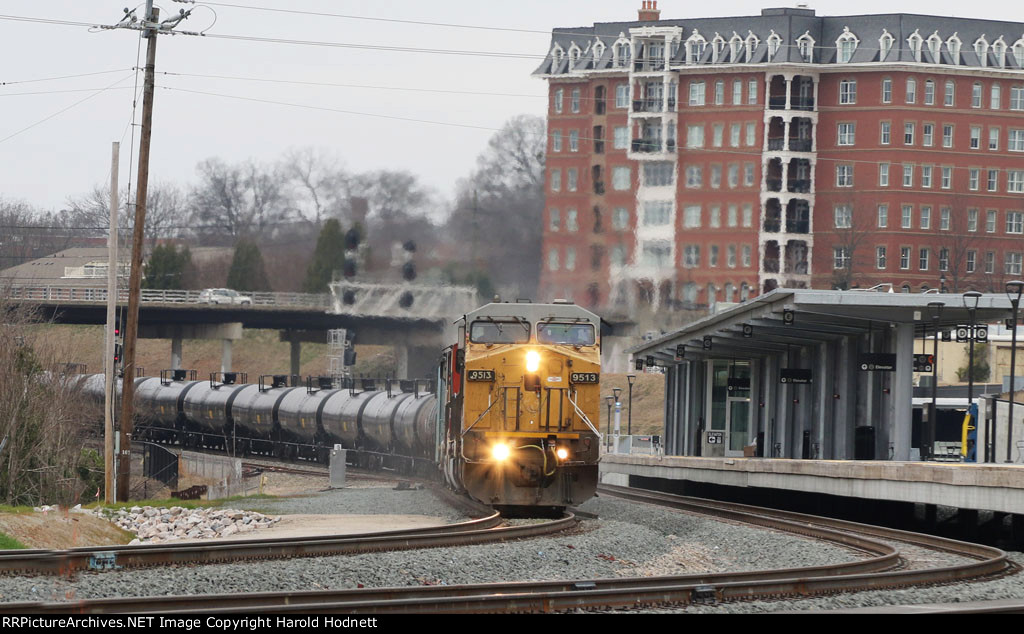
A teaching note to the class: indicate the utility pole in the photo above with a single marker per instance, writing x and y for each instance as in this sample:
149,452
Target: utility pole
131,330
109,389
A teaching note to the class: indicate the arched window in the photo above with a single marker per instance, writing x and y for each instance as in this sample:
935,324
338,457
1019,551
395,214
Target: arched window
574,56
752,43
774,44
999,48
846,45
712,297
935,46
953,44
805,44
735,47
885,44
717,49
729,293
744,292
557,54
695,46
598,49
981,50
915,42
623,52
1018,52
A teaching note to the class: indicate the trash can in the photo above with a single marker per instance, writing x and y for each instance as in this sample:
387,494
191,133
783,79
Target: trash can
864,443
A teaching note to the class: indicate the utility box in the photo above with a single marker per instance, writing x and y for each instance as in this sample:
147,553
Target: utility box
337,467
714,444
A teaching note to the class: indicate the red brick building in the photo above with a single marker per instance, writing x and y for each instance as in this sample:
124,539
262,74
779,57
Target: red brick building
698,161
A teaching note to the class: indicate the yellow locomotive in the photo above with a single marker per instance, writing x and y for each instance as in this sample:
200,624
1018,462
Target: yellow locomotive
519,394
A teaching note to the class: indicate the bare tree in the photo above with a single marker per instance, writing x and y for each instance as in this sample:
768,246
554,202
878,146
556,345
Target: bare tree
852,228
231,201
958,242
317,183
166,212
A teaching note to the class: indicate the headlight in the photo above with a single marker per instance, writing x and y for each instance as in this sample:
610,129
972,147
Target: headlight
562,453
532,361
500,451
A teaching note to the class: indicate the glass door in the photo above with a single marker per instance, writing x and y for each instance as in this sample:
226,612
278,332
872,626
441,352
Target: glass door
739,425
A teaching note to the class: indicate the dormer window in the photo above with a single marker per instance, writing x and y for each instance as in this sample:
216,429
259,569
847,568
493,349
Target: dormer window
774,44
981,50
935,46
752,43
598,52
885,44
999,48
695,46
623,53
735,47
1018,52
846,45
953,45
557,54
574,56
717,48
916,42
805,44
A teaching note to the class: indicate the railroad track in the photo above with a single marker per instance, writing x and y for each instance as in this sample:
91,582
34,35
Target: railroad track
881,568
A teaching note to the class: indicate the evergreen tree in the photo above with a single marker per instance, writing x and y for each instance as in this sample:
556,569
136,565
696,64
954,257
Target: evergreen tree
247,273
167,267
328,258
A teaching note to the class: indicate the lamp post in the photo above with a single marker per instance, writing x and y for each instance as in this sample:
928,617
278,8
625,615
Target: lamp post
971,304
630,378
618,416
608,427
1013,291
942,283
935,308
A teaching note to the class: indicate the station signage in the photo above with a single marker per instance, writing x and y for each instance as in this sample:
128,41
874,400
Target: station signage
796,376
877,362
924,362
715,437
978,333
739,384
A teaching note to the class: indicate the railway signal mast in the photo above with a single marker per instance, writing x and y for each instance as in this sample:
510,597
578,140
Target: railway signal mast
150,27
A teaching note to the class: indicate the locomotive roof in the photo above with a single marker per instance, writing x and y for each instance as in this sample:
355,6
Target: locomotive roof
534,312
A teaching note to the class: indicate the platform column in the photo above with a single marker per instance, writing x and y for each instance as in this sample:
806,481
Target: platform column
225,355
822,435
901,404
296,358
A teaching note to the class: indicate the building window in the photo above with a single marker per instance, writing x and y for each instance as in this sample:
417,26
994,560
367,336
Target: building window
622,96
713,255
554,220
737,92
694,177
846,45
972,219
717,132
570,259
947,177
621,137
990,220
572,176
846,133
1016,97
926,176
908,175
575,101
719,92
621,179
995,97
950,96
659,214
658,253
556,180
947,135
1015,142
715,217
944,218
734,175
748,174
752,92
553,259
559,98
691,217
843,216
886,136
751,134
927,134
691,256
716,176
975,137
887,90
880,261
574,140
659,174
990,262
883,174
923,259
972,261
976,95
904,258
1013,263
844,176
572,224
926,217
1014,222
973,178
748,215
943,259
911,90
730,256
993,180
908,133
848,91
556,141
734,135
746,256
695,136
620,218
883,216
1015,181
929,93
907,217
696,93
732,217
993,138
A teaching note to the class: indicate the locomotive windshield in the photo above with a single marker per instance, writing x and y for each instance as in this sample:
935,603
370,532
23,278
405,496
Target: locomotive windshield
572,334
500,331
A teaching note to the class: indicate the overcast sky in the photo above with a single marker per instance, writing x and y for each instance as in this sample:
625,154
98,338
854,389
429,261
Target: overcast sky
70,153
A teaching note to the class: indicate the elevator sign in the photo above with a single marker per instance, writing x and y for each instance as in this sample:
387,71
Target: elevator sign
877,362
795,375
924,362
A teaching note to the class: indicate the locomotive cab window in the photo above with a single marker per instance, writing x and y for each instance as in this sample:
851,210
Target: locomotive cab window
571,334
499,331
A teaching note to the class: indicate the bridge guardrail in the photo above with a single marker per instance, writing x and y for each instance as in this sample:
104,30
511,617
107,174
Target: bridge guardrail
71,294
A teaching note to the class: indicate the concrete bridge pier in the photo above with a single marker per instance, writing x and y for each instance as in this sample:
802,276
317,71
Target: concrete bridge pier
177,333
416,362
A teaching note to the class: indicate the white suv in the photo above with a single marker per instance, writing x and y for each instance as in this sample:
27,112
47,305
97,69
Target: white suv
224,296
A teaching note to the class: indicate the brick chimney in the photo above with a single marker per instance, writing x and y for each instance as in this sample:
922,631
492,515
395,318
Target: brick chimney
649,12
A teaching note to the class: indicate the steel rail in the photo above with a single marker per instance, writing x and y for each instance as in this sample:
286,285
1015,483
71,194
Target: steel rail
478,531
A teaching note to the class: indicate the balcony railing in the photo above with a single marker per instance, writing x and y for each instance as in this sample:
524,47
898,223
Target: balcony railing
798,226
802,104
774,184
799,186
776,144
777,102
646,145
801,145
772,225
771,265
649,66
648,105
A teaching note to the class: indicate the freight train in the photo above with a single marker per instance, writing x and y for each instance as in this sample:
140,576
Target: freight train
509,418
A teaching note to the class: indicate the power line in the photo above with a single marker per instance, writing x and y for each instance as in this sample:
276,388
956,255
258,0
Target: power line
58,92
61,77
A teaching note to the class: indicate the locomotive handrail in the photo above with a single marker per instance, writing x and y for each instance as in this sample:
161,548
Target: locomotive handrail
480,418
584,417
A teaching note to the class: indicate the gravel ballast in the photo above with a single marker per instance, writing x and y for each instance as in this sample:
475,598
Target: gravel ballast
628,539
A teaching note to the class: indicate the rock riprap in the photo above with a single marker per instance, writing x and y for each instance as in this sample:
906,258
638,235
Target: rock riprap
154,525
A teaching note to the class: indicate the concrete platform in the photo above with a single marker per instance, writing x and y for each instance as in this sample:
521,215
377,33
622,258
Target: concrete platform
983,487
